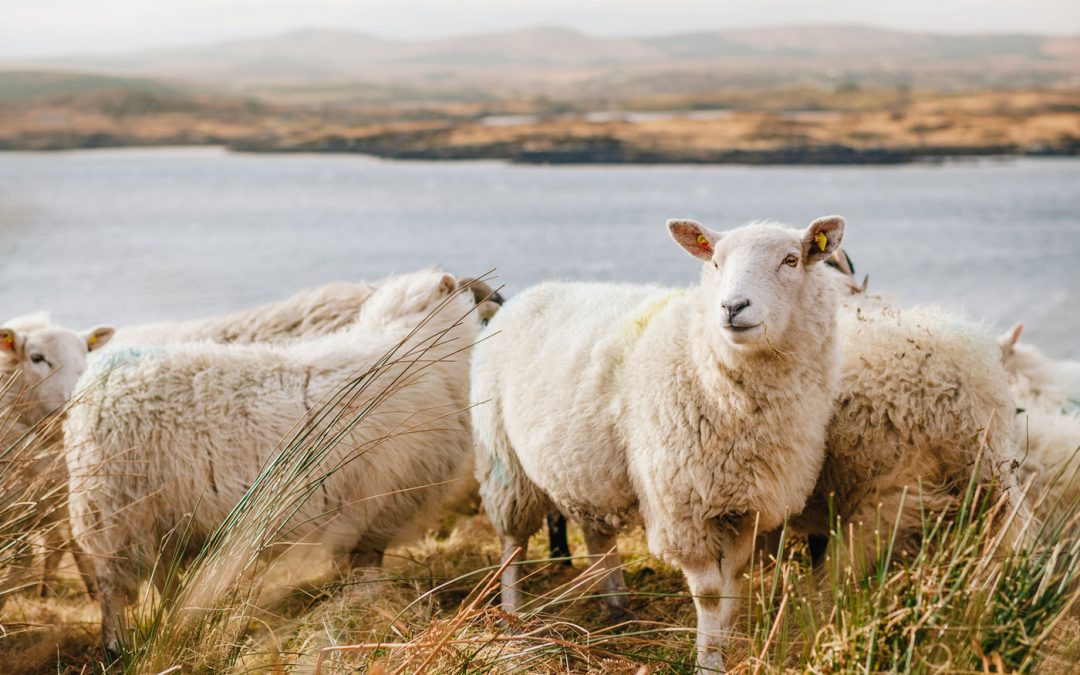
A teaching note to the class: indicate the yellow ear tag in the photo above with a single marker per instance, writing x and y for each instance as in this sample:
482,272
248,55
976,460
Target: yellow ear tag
704,243
92,340
821,240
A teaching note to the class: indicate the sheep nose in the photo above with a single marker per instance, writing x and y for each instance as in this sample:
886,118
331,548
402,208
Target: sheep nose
735,306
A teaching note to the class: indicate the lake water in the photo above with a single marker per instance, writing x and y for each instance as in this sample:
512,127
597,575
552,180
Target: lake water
126,236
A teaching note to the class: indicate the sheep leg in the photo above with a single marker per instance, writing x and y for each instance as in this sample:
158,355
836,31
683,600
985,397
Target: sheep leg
706,586
511,594
717,595
737,552
558,544
116,590
86,569
114,627
55,538
603,546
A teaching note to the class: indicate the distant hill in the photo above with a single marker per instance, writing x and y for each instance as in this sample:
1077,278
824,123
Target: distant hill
30,84
555,61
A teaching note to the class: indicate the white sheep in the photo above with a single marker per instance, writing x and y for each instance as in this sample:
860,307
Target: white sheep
309,313
703,410
39,366
183,429
923,401
1047,395
1037,379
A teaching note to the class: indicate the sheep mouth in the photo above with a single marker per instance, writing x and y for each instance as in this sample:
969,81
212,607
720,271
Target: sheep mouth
740,328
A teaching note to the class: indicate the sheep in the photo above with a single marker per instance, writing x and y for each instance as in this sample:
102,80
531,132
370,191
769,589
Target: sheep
1047,395
558,543
169,428
924,400
700,412
39,366
310,313
1035,378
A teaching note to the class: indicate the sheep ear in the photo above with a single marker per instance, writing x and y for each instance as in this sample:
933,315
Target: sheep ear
1010,338
448,284
841,261
96,338
696,239
9,343
822,239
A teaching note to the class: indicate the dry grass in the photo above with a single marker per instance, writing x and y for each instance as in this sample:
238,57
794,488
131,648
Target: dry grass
959,604
759,120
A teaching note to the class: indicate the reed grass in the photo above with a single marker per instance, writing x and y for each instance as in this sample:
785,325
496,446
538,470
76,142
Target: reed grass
959,603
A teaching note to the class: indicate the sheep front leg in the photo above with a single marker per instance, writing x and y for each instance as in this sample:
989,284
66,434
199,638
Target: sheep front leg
605,547
706,585
114,596
717,595
114,628
511,594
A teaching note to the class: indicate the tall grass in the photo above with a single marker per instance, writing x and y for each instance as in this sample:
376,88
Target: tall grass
32,489
960,602
207,608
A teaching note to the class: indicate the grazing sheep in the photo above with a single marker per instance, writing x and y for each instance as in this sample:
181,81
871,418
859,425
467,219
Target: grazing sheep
922,392
39,366
702,411
178,431
311,313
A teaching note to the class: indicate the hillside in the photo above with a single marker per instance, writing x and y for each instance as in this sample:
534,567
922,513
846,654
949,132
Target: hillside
564,63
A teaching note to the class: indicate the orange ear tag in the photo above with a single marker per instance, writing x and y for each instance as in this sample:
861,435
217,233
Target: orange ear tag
704,243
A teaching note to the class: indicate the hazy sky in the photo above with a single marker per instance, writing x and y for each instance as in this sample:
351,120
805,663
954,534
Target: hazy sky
50,27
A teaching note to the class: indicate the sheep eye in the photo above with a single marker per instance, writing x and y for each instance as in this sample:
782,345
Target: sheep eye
791,260
37,358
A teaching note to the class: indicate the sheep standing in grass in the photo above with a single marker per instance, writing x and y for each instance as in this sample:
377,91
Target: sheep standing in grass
703,411
923,401
39,366
179,432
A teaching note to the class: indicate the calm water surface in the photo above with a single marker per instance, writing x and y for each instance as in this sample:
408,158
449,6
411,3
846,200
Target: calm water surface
126,236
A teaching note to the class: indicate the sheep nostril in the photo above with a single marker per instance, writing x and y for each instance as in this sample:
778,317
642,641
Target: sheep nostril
734,307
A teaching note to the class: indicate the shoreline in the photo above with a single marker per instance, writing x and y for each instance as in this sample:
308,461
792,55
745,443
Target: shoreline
583,152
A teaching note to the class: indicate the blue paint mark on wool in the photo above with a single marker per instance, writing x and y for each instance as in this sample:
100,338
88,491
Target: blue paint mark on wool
121,356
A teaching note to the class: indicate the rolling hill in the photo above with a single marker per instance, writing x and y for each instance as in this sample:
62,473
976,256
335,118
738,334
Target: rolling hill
565,63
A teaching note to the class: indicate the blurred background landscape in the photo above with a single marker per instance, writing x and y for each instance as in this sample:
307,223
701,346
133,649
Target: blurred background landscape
948,138
789,94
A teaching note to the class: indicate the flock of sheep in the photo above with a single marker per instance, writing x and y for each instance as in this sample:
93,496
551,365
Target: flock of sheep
775,389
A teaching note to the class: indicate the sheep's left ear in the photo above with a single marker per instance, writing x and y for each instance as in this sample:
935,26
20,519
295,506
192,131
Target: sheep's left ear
696,239
1009,339
822,238
9,343
97,337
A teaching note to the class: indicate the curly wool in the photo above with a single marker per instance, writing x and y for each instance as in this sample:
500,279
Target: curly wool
170,432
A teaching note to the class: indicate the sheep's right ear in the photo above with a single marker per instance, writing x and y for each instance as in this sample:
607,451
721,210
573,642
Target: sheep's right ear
97,337
822,239
1009,339
696,239
448,284
9,343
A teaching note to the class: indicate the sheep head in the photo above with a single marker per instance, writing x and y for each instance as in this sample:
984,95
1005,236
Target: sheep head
758,277
49,361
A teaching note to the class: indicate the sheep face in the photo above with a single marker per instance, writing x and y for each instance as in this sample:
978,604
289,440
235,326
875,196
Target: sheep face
49,362
758,278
